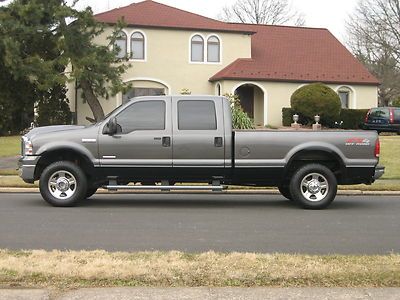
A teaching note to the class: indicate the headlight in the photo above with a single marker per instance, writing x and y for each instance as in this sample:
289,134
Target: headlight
27,147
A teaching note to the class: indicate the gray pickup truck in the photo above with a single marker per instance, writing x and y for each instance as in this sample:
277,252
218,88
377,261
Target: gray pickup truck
164,140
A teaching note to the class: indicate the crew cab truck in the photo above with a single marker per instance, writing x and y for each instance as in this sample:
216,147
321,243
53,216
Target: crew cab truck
163,140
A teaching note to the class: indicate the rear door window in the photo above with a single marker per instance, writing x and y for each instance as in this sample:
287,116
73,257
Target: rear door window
196,115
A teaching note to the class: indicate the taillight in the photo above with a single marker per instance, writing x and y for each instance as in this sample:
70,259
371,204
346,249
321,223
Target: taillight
391,116
366,117
377,151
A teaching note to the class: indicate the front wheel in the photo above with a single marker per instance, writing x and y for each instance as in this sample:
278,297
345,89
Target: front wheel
63,184
313,186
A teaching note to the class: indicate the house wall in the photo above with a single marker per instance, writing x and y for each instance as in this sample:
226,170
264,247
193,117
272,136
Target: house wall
167,63
277,95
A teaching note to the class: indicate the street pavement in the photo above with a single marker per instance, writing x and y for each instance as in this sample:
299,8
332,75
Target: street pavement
365,224
207,294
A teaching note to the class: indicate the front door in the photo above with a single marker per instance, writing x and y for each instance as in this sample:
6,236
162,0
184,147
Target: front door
199,140
144,138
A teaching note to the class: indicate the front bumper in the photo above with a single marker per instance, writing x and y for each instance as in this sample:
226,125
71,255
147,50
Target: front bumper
379,171
26,168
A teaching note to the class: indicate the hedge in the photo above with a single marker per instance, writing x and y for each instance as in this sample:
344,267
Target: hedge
352,118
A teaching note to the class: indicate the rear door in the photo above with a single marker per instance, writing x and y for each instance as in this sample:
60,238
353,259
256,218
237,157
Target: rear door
198,136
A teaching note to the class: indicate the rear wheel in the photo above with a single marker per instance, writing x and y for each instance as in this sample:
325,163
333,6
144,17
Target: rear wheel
63,184
313,186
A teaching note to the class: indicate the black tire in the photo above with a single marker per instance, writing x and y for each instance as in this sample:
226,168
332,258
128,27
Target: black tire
90,192
313,186
285,192
59,176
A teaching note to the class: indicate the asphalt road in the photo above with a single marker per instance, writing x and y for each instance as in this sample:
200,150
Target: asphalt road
251,223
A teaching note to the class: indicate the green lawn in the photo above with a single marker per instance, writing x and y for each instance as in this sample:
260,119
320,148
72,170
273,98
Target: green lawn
390,155
10,145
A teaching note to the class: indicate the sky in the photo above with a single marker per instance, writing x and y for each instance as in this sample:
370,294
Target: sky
331,14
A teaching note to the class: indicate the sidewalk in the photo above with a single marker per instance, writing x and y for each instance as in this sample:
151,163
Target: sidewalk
205,294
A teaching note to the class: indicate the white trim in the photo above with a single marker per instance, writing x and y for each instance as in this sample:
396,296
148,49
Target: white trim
144,45
169,92
205,50
266,110
353,95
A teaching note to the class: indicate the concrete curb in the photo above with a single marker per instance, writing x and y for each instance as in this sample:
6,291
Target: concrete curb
232,191
204,293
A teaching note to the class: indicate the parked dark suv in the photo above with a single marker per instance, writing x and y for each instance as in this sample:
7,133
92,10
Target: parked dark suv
383,119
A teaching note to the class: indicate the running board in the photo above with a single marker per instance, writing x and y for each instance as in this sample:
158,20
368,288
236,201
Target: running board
214,188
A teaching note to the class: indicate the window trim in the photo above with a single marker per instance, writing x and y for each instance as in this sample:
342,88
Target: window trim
126,44
144,101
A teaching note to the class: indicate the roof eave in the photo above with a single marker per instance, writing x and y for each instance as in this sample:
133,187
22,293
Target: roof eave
214,79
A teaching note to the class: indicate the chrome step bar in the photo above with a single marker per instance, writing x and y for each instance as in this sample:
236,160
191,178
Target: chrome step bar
214,188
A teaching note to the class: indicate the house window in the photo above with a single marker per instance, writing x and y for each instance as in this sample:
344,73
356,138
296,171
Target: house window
197,49
121,45
142,91
137,46
344,96
213,49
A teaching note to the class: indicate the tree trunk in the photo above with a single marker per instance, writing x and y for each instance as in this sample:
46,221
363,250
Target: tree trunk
94,104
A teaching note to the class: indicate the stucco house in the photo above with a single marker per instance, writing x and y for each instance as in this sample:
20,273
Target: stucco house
172,50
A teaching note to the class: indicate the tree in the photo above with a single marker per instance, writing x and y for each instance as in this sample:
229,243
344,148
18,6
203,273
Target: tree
374,37
274,12
47,24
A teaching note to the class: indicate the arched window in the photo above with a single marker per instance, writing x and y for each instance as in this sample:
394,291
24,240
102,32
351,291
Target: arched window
218,89
120,44
213,49
345,96
197,51
137,45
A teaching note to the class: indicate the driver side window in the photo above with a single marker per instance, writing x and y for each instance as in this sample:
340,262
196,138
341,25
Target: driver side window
143,115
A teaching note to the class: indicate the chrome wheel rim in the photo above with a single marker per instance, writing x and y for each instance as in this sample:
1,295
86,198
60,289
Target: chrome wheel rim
314,187
62,185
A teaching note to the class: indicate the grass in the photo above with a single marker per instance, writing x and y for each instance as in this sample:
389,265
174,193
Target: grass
76,269
390,154
10,145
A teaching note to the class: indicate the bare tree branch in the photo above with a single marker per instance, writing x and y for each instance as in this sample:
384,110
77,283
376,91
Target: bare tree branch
274,12
374,37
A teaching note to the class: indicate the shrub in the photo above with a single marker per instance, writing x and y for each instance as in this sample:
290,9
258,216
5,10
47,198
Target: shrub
396,102
240,119
316,99
353,118
287,116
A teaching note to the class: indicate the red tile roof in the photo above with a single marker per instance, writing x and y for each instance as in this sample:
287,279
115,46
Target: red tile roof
149,13
279,53
296,54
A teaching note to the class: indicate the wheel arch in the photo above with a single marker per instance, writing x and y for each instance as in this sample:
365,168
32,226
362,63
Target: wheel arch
316,154
71,154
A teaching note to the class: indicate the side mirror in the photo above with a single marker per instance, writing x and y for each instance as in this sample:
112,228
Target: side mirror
111,127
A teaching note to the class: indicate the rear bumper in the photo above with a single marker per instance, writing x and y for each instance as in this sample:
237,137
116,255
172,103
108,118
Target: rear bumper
26,168
379,171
